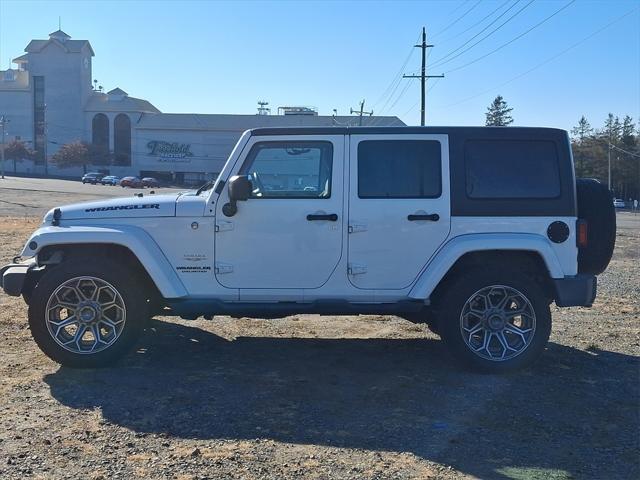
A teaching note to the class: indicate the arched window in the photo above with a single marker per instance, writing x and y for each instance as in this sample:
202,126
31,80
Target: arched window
100,131
122,139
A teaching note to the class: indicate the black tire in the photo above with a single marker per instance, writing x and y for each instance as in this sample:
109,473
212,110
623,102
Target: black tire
460,289
126,284
595,206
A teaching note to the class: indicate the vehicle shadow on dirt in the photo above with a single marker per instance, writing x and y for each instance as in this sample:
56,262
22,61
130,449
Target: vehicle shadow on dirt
573,415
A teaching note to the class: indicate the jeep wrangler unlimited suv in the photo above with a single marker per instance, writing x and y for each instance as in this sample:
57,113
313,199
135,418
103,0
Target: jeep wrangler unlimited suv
475,231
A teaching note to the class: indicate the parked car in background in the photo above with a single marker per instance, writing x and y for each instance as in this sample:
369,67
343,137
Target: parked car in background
110,180
133,182
150,182
618,203
92,177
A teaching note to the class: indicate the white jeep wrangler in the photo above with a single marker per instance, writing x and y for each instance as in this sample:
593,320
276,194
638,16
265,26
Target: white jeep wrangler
474,231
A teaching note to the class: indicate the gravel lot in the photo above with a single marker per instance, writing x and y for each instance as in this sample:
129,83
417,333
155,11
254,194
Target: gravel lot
325,397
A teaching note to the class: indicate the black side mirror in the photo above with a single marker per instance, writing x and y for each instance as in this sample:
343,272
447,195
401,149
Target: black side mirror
240,189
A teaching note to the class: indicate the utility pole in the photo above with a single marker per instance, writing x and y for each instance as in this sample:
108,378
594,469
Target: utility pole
361,112
3,121
423,74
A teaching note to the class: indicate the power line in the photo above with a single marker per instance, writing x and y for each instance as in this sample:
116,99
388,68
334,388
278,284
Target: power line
440,42
460,5
548,60
404,90
398,80
442,60
397,77
429,88
513,39
611,145
458,19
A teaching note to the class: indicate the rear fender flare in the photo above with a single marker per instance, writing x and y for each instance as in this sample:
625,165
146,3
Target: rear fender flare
137,240
451,251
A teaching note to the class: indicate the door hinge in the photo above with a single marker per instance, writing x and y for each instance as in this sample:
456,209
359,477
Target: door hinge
357,227
223,226
222,268
356,269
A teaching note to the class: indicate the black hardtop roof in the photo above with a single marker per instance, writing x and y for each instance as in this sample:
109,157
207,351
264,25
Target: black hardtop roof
471,131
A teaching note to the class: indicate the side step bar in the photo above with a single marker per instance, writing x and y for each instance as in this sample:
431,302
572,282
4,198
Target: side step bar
193,308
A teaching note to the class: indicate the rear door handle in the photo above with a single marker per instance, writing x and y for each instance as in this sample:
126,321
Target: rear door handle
332,217
434,217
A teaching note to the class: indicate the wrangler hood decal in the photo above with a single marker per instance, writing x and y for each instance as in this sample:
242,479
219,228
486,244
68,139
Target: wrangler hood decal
123,207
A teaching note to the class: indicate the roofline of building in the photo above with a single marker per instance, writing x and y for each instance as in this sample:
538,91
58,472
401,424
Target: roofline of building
57,42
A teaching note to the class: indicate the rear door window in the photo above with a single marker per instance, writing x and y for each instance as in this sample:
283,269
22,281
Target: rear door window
399,169
511,169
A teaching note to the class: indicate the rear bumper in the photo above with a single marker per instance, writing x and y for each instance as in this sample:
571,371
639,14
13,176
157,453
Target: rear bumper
12,277
578,291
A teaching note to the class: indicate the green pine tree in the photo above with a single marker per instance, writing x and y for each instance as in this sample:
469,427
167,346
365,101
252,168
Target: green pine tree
583,130
499,113
627,133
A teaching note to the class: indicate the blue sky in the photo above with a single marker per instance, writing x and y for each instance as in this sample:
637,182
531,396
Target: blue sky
221,57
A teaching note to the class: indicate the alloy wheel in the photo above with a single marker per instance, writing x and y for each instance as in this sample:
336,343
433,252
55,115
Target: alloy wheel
497,323
85,315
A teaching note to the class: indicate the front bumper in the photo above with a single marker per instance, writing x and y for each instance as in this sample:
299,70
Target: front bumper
13,276
578,291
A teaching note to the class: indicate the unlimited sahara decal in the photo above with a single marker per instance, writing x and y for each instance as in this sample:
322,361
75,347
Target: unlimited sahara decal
190,269
122,207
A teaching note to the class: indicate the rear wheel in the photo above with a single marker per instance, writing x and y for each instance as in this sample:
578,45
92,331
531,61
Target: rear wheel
494,320
87,314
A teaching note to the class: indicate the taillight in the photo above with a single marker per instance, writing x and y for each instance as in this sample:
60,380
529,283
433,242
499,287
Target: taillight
582,233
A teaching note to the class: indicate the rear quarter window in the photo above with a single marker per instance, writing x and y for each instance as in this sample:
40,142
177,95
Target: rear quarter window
511,169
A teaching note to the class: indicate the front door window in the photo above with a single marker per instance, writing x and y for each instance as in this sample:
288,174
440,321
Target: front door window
290,170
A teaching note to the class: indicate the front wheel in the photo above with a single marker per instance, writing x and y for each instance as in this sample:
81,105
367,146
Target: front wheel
87,314
494,320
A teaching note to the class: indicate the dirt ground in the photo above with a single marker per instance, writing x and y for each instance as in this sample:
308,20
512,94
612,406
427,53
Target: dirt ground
328,397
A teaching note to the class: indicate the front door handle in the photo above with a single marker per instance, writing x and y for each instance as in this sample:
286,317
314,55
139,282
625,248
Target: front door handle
332,217
434,217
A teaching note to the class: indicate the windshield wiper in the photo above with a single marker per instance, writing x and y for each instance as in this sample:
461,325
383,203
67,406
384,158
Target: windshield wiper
206,186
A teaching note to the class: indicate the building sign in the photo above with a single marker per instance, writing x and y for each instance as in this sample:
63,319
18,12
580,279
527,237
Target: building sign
170,151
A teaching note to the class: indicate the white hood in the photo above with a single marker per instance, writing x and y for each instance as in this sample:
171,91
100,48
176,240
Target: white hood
121,207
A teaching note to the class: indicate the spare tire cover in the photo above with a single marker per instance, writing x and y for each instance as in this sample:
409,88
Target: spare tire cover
595,206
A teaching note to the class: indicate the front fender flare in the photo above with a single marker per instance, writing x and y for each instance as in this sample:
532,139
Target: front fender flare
137,240
451,251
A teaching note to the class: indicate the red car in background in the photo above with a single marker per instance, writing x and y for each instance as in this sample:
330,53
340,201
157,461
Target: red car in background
150,182
133,182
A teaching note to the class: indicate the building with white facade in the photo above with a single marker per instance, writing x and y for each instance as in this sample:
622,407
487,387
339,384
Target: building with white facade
50,100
